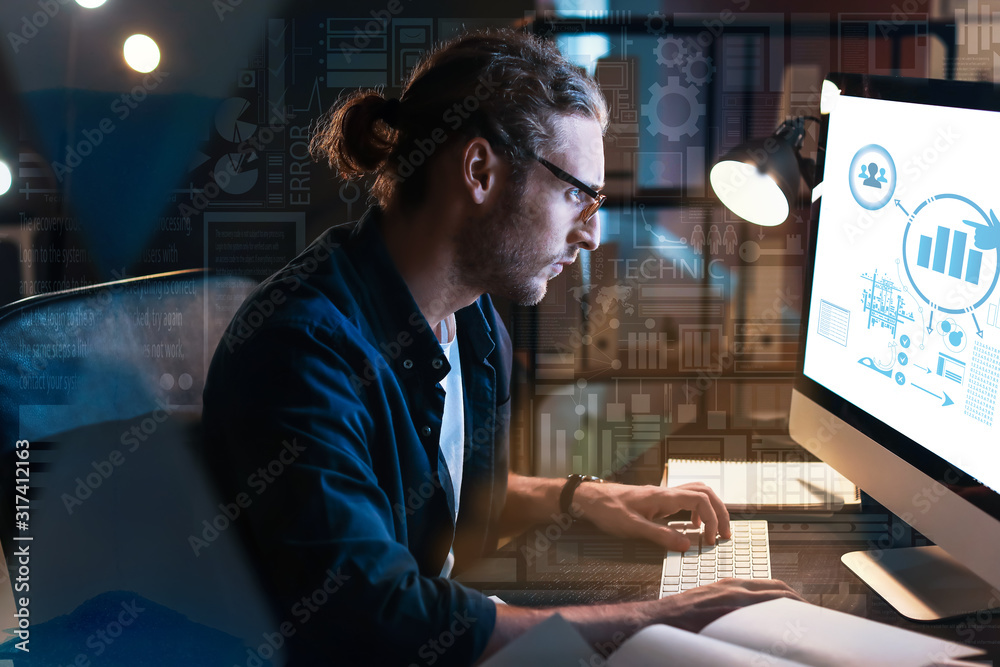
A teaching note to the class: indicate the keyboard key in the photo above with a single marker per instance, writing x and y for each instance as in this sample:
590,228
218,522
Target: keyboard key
744,556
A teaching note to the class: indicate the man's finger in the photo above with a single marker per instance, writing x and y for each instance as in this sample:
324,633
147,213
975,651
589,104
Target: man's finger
721,513
754,584
697,498
706,512
666,537
718,508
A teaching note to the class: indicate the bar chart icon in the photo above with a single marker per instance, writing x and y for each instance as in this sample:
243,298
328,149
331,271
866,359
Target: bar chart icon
934,254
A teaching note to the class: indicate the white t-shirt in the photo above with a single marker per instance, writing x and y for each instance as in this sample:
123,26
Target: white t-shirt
452,423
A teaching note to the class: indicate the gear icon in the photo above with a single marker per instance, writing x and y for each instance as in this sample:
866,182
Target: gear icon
661,50
699,69
656,23
674,88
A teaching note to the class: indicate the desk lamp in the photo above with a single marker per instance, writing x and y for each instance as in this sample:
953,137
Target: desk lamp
758,180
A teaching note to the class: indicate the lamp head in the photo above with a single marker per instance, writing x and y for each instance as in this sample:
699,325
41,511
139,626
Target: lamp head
759,180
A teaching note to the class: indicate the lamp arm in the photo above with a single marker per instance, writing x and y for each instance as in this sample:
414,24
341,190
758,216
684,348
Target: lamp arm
807,167
794,130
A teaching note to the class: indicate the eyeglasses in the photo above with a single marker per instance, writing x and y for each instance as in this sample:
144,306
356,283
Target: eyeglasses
590,209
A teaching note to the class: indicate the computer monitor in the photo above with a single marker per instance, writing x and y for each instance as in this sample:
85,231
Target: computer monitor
900,360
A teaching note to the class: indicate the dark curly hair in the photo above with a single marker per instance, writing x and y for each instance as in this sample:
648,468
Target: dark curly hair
503,85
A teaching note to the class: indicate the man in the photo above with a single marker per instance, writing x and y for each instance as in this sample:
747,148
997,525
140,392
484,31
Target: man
376,371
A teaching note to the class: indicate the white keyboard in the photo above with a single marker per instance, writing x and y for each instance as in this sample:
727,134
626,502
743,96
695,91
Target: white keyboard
747,555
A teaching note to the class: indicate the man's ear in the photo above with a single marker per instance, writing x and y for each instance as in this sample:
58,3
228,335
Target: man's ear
480,170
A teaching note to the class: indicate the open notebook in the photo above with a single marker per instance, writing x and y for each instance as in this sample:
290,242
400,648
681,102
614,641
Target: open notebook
776,633
762,486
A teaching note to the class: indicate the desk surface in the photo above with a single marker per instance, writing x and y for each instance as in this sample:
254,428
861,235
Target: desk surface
554,565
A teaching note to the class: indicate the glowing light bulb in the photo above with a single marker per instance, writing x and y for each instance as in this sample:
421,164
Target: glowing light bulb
6,178
141,53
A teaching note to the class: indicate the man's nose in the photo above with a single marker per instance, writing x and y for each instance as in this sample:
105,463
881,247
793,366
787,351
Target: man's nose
588,234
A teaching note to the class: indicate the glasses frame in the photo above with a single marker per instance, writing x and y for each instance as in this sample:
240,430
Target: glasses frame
589,211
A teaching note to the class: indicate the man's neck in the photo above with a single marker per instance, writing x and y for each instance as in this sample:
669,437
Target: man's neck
421,247
445,329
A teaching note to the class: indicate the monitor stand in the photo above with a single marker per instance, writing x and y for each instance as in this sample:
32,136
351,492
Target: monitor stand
922,583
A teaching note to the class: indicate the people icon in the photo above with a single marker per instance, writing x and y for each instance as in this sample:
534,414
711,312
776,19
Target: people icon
697,239
872,180
730,239
714,239
872,177
659,171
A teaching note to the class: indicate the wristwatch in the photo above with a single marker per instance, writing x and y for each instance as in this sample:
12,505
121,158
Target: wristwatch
573,481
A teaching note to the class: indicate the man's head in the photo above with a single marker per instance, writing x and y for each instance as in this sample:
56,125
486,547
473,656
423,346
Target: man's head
490,104
538,227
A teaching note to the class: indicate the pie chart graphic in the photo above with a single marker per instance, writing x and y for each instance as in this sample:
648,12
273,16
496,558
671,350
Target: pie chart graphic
233,124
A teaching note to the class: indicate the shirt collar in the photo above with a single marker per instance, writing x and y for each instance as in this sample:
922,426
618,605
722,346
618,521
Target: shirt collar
405,340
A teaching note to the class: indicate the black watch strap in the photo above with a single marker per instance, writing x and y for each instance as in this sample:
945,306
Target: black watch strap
569,488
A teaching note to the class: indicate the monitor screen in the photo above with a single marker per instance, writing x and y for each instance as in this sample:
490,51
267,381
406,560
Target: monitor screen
900,361
903,309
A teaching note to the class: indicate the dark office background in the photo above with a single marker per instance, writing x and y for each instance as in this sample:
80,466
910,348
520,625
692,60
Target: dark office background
678,337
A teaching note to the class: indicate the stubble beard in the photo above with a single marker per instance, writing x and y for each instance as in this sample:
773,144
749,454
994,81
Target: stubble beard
495,254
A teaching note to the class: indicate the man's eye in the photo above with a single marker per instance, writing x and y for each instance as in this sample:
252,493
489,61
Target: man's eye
575,195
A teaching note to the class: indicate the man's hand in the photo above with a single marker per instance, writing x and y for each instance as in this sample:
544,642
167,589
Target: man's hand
611,623
694,609
987,236
627,510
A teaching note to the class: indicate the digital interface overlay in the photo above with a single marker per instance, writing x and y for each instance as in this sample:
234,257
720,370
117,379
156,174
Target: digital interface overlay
904,309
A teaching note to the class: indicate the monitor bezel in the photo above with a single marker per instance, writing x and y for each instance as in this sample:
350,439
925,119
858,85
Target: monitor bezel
940,93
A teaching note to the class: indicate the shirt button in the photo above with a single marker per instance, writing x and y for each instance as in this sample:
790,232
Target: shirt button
407,364
425,431
436,364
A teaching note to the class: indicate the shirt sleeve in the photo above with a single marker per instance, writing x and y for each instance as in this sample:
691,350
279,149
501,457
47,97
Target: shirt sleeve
288,427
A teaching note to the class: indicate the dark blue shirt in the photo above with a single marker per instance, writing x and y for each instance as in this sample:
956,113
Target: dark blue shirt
323,406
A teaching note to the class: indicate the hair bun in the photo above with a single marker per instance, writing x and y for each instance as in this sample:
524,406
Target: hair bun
390,112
